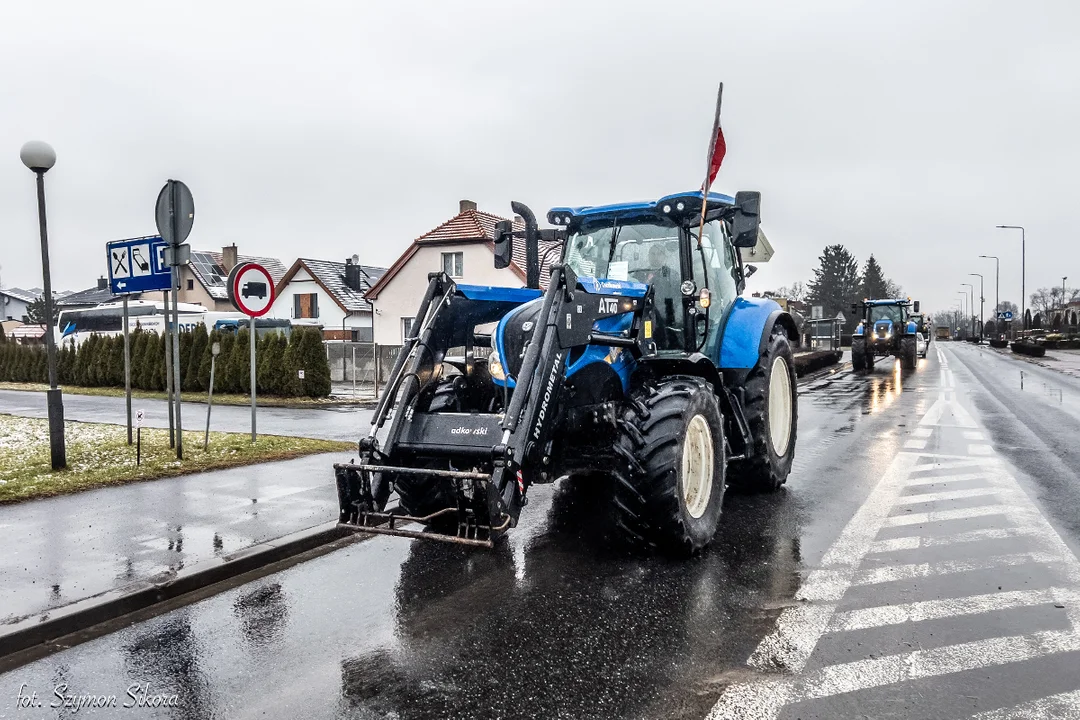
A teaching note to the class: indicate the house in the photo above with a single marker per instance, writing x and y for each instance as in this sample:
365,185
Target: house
202,280
329,295
13,303
462,247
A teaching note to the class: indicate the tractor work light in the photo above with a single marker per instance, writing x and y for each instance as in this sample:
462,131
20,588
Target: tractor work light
705,298
495,367
680,206
666,209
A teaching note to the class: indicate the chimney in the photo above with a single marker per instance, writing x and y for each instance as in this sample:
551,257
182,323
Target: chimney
352,276
102,283
466,205
228,257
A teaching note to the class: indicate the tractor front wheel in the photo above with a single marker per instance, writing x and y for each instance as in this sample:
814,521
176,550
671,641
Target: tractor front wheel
770,403
908,352
858,354
669,485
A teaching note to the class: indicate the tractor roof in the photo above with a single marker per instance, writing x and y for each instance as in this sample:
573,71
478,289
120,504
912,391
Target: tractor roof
691,203
888,301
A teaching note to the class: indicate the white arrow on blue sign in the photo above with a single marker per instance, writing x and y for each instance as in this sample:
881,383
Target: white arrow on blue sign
1006,315
135,265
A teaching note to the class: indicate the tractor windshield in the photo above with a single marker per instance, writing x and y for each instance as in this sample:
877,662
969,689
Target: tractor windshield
885,312
640,251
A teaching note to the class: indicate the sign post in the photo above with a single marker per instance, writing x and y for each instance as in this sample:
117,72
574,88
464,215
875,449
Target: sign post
215,350
251,291
135,267
174,213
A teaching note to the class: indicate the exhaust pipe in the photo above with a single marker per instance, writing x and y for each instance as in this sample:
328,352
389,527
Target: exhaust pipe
532,244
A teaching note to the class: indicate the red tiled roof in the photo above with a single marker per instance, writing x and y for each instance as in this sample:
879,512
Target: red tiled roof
470,226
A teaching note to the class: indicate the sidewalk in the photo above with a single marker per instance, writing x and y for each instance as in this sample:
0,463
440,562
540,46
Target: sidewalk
1066,362
59,550
332,423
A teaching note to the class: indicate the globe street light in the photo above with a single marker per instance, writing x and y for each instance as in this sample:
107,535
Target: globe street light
982,301
1023,271
40,157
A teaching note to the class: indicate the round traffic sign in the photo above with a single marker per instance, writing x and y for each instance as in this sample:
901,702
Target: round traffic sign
251,289
175,197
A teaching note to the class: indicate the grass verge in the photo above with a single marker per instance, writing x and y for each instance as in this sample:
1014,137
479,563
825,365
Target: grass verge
98,456
197,397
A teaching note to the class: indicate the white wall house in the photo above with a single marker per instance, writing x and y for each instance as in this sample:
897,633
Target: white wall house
463,247
13,302
328,294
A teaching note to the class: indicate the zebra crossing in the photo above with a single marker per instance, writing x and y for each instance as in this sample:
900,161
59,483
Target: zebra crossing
947,594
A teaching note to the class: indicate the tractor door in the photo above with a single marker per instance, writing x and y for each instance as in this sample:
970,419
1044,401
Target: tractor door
715,267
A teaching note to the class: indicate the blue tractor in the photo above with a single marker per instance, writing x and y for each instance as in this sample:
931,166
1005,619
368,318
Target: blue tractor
639,367
886,327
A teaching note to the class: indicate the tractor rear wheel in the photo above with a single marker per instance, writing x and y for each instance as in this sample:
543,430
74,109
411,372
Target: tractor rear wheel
858,354
908,352
669,486
770,403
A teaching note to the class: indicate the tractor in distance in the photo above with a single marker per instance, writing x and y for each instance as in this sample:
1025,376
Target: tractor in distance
886,327
640,367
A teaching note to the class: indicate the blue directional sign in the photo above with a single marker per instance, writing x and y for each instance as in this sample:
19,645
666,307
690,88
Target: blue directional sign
1006,315
137,265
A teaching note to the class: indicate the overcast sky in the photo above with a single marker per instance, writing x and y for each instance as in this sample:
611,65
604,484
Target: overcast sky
906,129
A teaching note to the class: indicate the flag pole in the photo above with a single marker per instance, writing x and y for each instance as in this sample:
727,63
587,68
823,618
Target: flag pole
708,164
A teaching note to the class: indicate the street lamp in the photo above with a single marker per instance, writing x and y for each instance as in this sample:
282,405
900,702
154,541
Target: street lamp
971,306
982,301
997,286
963,304
1023,271
40,157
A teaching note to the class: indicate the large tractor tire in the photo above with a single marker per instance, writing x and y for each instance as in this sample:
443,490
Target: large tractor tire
858,354
770,403
669,486
422,495
908,352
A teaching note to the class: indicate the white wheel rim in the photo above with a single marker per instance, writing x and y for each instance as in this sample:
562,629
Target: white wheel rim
697,467
780,406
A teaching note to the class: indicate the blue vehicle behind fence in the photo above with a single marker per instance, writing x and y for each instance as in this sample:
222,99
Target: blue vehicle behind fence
639,368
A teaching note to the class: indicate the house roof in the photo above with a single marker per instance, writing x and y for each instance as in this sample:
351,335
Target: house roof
27,296
29,331
330,275
208,269
91,296
467,227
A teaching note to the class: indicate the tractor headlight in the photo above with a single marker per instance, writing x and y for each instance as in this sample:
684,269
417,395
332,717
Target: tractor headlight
495,366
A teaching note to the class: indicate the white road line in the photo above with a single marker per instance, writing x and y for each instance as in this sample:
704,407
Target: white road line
944,479
914,542
891,573
946,608
941,515
1064,706
922,432
980,449
915,444
953,462
948,495
973,435
799,627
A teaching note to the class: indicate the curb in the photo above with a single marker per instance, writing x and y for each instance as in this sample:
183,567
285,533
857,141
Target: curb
82,614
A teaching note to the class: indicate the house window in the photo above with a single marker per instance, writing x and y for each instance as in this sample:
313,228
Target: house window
190,284
306,305
406,328
453,264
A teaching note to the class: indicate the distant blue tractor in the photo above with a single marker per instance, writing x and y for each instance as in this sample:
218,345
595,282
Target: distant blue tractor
639,367
887,327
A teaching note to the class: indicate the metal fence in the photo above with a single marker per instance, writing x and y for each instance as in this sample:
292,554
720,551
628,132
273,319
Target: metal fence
358,368
821,334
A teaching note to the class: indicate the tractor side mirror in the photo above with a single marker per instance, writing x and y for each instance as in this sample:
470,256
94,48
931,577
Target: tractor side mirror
504,243
915,308
747,220
854,308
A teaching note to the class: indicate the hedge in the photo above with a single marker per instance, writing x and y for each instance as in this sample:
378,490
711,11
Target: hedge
99,362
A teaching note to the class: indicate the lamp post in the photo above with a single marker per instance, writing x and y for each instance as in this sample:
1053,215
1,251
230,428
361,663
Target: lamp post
982,303
1023,271
997,286
971,306
963,304
1064,321
40,157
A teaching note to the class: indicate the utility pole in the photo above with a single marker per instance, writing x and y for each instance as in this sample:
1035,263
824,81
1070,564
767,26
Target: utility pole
982,303
997,288
1023,271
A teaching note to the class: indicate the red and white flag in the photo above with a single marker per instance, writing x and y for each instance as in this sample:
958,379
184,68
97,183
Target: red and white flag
717,145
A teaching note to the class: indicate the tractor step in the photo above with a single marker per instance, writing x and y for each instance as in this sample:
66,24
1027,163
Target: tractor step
385,523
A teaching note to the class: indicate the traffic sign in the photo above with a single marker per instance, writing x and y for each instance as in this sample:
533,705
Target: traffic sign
251,289
136,265
1007,315
174,197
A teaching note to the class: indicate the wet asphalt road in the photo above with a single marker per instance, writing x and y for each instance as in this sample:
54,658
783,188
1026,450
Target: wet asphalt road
921,563
333,423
